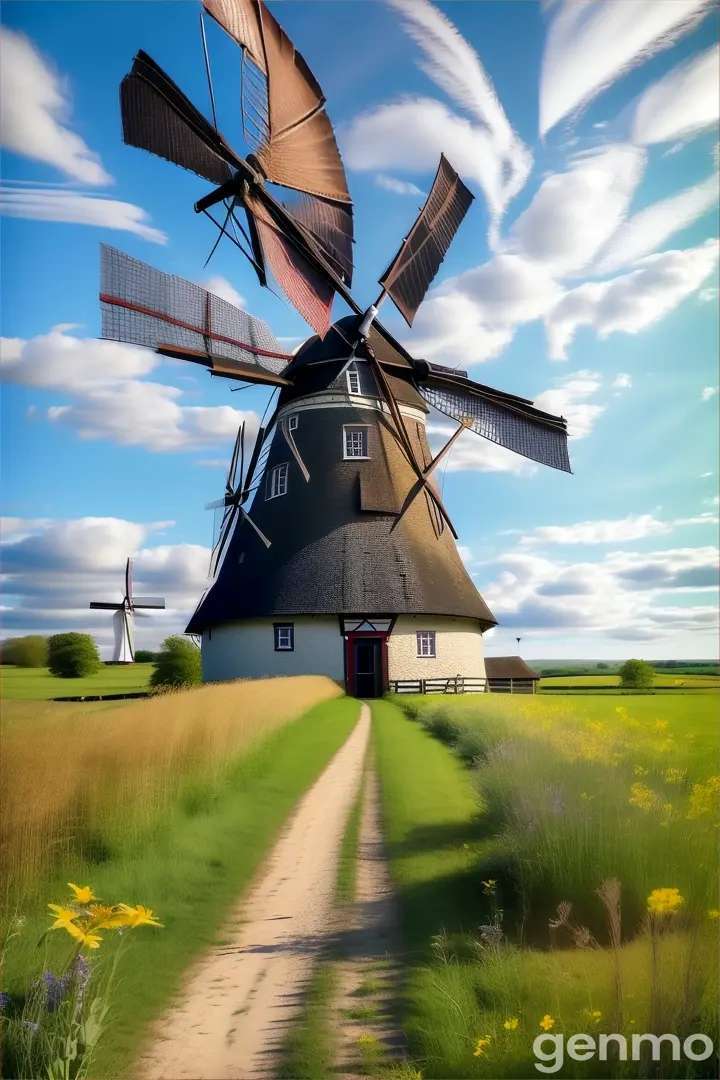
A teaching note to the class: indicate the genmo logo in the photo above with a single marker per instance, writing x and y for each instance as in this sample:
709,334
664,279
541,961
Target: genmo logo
551,1049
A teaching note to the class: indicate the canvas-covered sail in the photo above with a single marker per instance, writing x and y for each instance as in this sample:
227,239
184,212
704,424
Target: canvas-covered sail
409,275
502,419
301,151
144,306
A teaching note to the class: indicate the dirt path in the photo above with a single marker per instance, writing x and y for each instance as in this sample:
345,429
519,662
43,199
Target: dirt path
368,969
236,1009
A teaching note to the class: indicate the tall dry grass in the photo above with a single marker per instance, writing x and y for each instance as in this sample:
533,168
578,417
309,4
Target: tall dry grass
75,781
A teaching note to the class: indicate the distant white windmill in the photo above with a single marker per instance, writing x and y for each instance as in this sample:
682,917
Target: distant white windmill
124,650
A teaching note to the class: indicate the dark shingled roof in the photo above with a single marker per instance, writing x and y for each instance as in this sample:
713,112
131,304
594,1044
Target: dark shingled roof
508,667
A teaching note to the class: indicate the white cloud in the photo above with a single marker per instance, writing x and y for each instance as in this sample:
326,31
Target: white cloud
410,134
619,530
575,212
622,381
708,392
55,568
619,596
706,296
682,103
398,187
33,105
73,209
633,301
110,399
648,230
570,398
590,45
221,287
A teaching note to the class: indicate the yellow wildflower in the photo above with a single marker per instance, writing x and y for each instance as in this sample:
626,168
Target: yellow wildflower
660,725
87,938
675,776
639,770
595,1015
482,1042
136,916
511,1023
83,893
547,1022
642,796
105,917
63,916
585,797
664,901
713,913
367,1040
704,798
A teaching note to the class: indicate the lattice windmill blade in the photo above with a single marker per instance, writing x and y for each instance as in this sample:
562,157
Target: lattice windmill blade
504,419
233,480
128,581
176,317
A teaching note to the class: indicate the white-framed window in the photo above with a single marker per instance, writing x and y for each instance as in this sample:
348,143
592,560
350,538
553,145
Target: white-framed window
426,643
355,442
353,379
277,482
284,637
293,422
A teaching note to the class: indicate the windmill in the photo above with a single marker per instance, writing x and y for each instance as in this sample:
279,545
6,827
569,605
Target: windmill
124,650
337,515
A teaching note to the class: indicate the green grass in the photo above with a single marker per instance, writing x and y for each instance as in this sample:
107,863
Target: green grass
689,682
518,823
190,867
38,684
308,1048
347,867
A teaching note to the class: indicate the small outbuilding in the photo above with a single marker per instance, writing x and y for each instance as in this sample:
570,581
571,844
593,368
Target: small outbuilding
510,675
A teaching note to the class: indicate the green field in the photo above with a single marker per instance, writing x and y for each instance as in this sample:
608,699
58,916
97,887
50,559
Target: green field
27,684
500,809
610,684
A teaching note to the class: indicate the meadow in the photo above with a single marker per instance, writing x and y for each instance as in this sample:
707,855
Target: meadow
533,841
37,684
677,684
170,802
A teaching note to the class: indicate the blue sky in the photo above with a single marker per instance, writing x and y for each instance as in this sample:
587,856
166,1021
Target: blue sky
585,276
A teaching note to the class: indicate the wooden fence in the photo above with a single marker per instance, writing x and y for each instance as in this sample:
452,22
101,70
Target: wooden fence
455,685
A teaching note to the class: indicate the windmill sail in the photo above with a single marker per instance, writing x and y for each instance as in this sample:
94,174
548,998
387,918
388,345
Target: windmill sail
158,117
300,150
502,418
144,306
409,275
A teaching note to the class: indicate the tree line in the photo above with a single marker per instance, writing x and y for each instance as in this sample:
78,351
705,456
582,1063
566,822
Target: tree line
76,656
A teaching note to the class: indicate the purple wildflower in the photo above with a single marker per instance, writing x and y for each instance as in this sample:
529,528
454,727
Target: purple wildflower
3,1001
55,989
81,971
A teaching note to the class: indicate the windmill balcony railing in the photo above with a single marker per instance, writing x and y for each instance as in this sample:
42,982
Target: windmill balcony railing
457,684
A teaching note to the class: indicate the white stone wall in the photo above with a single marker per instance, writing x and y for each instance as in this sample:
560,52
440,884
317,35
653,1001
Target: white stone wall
246,650
458,648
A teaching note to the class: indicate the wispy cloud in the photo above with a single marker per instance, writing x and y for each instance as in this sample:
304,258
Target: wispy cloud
708,392
646,231
41,204
684,102
633,301
398,187
409,134
221,287
618,530
590,45
33,105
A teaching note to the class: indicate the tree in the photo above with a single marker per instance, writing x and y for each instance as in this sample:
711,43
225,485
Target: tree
72,656
144,656
637,675
177,664
602,667
30,651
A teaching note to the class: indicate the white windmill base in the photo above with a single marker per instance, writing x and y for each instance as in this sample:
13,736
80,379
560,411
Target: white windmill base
124,651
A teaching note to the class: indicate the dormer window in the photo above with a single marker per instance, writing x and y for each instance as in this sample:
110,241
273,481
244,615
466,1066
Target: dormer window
353,379
277,482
